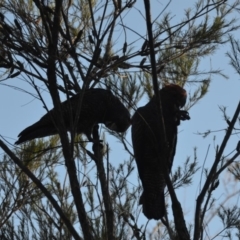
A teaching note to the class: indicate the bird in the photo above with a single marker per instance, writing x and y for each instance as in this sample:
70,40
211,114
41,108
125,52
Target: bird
96,106
148,145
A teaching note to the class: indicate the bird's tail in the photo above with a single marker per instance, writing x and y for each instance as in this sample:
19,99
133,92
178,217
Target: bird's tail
153,205
35,131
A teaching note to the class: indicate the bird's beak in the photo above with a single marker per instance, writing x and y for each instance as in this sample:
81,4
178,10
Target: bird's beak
177,106
117,127
111,125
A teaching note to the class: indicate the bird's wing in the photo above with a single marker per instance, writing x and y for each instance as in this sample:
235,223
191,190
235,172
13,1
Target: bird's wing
138,137
145,139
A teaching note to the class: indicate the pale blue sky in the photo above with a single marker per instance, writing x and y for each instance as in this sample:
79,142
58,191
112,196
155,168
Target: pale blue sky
19,110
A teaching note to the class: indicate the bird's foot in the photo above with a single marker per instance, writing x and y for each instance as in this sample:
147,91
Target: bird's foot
183,115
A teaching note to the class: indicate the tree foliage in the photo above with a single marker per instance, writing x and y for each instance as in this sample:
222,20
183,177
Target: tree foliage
68,188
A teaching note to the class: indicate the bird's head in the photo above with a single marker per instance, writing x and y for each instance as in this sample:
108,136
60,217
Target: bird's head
121,125
174,98
174,94
117,116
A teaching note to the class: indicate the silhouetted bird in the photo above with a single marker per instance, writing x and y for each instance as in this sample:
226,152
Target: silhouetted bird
98,106
148,145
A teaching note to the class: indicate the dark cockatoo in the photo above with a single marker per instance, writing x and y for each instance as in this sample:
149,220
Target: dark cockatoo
148,145
98,106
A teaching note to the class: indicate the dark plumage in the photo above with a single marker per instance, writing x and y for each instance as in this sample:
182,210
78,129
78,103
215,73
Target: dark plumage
98,106
147,145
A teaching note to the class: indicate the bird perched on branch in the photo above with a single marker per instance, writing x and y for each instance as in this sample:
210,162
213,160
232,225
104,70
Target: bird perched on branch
148,145
97,106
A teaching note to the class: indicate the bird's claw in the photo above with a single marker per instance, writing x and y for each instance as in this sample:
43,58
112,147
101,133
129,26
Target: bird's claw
183,115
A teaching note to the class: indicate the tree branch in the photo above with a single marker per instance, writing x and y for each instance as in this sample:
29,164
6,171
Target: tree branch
211,176
42,188
97,149
176,206
67,150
